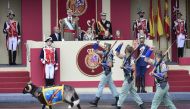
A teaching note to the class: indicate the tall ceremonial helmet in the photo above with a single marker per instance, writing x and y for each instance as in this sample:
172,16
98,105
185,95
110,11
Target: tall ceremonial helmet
140,12
179,13
10,12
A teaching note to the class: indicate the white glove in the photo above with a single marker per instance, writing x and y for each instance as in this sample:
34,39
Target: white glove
56,68
18,42
43,61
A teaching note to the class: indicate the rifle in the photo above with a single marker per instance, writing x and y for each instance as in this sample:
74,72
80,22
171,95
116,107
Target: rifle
129,56
110,49
154,69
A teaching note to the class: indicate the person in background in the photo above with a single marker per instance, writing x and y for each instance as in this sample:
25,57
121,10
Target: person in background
141,66
69,26
56,36
89,35
104,28
13,38
48,57
141,24
180,28
80,34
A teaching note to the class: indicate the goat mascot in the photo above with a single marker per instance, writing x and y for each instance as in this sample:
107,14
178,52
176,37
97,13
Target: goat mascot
49,96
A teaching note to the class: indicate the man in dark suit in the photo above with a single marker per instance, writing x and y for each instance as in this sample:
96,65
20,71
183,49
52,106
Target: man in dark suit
81,34
104,28
56,36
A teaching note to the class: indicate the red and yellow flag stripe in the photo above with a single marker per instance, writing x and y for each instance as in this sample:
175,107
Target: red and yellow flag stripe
160,30
166,21
151,22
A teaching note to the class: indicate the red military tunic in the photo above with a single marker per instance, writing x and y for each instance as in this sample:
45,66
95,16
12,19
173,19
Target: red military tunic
13,30
49,55
180,26
142,25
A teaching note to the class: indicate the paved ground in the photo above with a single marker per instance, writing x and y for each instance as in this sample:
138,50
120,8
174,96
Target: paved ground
85,105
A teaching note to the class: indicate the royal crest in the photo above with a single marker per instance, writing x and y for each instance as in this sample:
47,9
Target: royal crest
88,61
92,59
78,7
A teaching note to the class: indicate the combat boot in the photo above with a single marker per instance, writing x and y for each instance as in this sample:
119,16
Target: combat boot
14,58
141,106
118,107
10,57
116,100
143,85
138,84
95,102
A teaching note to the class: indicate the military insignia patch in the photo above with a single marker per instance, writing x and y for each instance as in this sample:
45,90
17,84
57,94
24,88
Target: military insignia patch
88,61
79,7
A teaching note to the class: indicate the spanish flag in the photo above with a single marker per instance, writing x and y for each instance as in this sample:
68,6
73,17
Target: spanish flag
166,21
151,22
160,30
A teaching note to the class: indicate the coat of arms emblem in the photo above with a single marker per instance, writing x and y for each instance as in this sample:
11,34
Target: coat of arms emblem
88,61
92,59
79,7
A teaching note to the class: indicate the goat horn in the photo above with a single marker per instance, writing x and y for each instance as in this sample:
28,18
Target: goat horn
29,88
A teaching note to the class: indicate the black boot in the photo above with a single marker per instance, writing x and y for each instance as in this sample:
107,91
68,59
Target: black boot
10,57
138,84
51,82
116,100
118,107
95,102
47,82
14,57
143,85
44,106
142,106
50,107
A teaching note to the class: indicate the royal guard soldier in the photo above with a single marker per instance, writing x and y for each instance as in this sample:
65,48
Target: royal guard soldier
48,57
141,25
161,78
104,28
107,64
69,26
180,28
13,38
141,65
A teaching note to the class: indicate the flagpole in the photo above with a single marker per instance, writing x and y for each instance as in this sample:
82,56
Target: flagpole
57,17
96,10
8,3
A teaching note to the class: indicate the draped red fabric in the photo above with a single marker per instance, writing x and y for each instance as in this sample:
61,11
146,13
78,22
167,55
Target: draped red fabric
174,5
